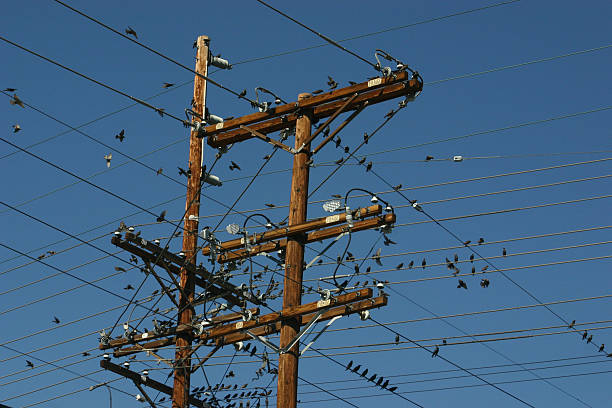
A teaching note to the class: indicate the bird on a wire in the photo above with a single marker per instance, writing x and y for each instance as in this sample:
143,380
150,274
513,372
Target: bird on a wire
162,216
428,158
466,243
584,335
400,265
602,347
120,135
108,158
376,257
410,265
435,352
504,253
10,89
472,258
167,85
349,365
571,325
16,101
369,166
366,137
56,320
242,94
423,263
270,205
590,338
362,160
159,171
130,31
480,241
389,114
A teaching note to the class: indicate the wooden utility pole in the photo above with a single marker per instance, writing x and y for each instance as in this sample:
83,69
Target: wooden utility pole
294,263
182,373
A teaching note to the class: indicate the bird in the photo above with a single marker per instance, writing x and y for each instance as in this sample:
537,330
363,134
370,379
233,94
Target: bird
400,265
331,83
56,320
16,128
484,268
10,89
366,137
484,283
456,258
234,165
167,85
380,380
480,241
267,157
120,135
183,172
50,253
504,253
384,385
368,269
571,325
435,352
162,216
347,149
461,284
410,264
369,166
120,269
388,241
365,372
472,258
473,270
270,205
389,114
362,160
242,94
85,354
376,257
130,31
29,364
397,339
372,378
428,158
589,339
584,335
129,287
357,367
352,83
159,171
602,347
108,158
392,389
338,141
318,91
16,101
349,365
339,161
466,243
423,263
397,187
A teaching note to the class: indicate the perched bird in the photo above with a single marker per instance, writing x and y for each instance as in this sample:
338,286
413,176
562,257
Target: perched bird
376,257
589,339
29,364
571,325
423,263
162,216
16,101
481,241
356,269
120,269
41,256
362,160
85,354
242,94
167,85
120,135
456,258
380,380
472,258
318,91
397,187
369,166
461,284
484,268
346,149
384,385
364,373
584,335
400,265
269,205
484,283
56,320
389,114
473,270
108,158
234,165
410,264
602,347
267,157
339,161
372,378
159,171
338,141
16,128
428,158
357,368
504,253
331,83
435,352
9,89
466,243
130,31
368,269
129,287
349,365
397,339
366,137
392,389
50,253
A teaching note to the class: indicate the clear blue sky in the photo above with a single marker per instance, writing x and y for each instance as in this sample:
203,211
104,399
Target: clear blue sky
477,85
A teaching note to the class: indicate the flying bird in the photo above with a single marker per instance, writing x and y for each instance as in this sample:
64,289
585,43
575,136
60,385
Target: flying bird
270,205
167,85
435,352
376,257
108,158
234,165
120,135
182,172
16,128
29,364
16,101
484,283
10,89
162,216
461,284
130,31
331,83
56,320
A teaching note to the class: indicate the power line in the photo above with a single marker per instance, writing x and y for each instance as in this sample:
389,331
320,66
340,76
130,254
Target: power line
160,111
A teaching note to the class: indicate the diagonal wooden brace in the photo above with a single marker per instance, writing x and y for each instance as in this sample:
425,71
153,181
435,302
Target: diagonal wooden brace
268,139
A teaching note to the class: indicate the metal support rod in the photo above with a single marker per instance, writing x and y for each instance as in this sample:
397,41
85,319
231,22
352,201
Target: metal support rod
340,127
144,394
294,264
182,377
328,121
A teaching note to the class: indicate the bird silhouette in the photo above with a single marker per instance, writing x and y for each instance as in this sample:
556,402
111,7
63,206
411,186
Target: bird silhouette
56,320
366,137
242,94
461,284
400,265
120,269
10,89
362,160
357,368
389,114
590,338
571,325
270,205
473,270
484,268
380,380
423,263
331,83
387,241
504,253
384,385
339,161
392,389
16,101
29,364
480,241
108,158
129,287
472,258
397,187
130,31
397,339
338,141
159,171
182,172
349,365
372,378
428,158
456,258
484,283
167,85
602,347
376,257
162,216
584,335
234,165
346,149
466,243
435,352
369,166
85,354
16,128
365,372
120,135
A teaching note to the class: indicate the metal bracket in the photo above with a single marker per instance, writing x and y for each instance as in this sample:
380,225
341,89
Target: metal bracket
149,400
268,139
319,334
325,249
340,127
